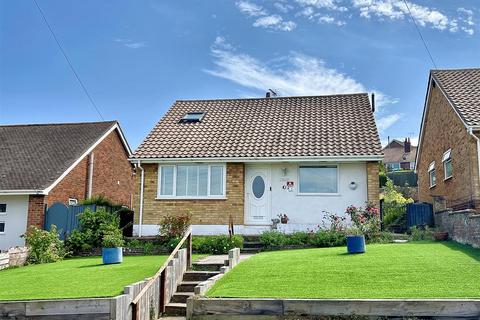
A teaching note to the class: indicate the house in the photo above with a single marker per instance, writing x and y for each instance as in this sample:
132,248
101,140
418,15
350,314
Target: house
250,160
42,164
399,155
448,158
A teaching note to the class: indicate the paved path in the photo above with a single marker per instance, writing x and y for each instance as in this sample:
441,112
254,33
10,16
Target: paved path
220,259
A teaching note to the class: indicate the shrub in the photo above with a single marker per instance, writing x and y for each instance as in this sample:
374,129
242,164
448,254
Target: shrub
112,237
99,201
299,238
380,237
365,220
418,234
44,246
273,239
328,238
174,226
92,228
216,244
394,207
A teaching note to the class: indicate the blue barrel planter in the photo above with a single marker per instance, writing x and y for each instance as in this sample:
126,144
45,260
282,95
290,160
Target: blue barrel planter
356,244
112,255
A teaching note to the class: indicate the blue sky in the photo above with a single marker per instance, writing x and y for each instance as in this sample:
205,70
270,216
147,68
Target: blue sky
137,57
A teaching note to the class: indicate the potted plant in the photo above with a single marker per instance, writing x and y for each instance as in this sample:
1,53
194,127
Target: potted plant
440,235
283,218
355,240
112,242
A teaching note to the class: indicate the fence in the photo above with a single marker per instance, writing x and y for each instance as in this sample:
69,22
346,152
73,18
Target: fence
66,218
419,214
153,297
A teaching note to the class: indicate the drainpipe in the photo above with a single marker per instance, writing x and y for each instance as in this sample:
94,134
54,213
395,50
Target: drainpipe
90,175
470,130
142,177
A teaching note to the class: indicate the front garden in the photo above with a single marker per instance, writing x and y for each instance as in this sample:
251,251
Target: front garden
423,269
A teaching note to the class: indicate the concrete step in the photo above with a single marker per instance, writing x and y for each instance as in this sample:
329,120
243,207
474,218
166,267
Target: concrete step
207,266
252,244
187,286
172,318
251,238
181,297
251,250
176,309
198,275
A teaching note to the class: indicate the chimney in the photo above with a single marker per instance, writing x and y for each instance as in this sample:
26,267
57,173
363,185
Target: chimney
407,145
373,102
267,95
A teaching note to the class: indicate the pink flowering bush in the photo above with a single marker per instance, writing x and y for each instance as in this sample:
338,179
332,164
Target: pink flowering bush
365,220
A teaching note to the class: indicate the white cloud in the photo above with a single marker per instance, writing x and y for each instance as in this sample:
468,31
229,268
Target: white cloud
250,8
275,22
387,121
331,20
423,15
328,4
131,44
283,7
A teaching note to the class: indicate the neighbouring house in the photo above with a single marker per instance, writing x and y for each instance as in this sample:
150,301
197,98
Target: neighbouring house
399,155
448,158
251,160
41,164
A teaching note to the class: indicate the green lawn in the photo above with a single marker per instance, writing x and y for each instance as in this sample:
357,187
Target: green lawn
411,270
76,278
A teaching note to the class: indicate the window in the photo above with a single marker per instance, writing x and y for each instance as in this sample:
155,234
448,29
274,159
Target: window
192,117
72,201
447,164
2,226
318,179
393,166
191,181
432,174
3,208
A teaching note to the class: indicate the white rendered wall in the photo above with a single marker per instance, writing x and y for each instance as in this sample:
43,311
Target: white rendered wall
15,221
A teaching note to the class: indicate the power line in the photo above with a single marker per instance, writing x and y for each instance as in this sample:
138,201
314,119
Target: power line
420,34
68,60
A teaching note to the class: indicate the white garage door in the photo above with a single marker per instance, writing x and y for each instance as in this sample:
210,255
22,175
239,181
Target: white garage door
13,220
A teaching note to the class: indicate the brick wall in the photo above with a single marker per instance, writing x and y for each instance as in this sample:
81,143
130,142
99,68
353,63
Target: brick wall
373,188
443,130
36,210
203,211
462,226
112,175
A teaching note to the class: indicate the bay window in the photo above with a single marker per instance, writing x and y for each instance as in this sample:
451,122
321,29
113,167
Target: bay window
191,181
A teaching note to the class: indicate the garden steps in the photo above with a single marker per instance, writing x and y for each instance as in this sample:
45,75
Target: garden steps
210,267
252,247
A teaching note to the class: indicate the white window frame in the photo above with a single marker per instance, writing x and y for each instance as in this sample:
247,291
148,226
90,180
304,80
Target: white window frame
447,158
173,196
321,193
431,169
6,209
4,226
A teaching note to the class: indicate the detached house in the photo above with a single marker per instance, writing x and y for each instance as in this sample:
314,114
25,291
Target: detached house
399,155
250,160
48,163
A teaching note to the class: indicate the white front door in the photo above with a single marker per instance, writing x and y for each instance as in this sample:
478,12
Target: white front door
257,195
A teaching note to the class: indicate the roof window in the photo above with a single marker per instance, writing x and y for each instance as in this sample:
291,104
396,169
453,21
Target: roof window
192,117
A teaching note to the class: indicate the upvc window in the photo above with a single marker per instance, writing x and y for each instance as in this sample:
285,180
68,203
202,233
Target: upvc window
3,208
447,164
191,181
2,227
318,179
432,175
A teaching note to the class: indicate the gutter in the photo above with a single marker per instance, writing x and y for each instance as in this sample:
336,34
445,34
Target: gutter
22,192
470,131
140,218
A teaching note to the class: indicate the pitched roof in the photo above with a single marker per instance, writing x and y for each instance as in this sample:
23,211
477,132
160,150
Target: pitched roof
315,126
396,154
462,87
33,156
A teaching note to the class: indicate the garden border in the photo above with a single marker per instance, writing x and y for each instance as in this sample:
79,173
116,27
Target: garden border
251,308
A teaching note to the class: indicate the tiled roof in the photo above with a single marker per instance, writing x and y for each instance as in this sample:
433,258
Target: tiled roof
462,87
32,157
394,155
316,126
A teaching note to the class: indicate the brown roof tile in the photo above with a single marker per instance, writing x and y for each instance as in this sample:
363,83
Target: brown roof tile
462,87
336,125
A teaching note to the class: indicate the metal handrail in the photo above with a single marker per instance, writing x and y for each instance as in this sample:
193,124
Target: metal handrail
161,273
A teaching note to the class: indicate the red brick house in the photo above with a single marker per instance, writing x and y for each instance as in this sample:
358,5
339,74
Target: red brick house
42,164
448,158
399,155
250,160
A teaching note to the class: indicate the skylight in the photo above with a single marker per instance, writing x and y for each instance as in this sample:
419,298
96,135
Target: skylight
192,117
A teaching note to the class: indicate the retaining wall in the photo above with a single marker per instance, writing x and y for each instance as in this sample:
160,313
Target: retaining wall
462,226
14,257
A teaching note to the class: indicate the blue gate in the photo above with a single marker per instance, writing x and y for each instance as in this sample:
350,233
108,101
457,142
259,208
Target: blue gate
419,214
65,217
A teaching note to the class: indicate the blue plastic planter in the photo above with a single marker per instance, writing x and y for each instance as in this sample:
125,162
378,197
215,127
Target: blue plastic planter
356,244
112,255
